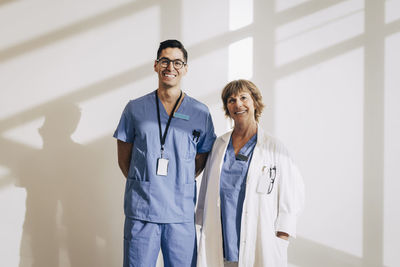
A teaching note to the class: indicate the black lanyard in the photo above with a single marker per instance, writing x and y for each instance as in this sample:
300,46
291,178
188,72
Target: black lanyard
162,137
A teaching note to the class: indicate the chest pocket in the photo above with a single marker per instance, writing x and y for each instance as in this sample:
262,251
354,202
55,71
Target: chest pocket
267,181
188,144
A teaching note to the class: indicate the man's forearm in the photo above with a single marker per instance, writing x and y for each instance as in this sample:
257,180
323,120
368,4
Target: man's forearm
124,156
124,168
201,159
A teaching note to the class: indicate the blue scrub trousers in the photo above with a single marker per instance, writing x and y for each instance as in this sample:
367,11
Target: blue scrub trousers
143,240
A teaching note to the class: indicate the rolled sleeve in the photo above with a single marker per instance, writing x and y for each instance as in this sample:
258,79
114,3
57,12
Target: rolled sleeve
286,223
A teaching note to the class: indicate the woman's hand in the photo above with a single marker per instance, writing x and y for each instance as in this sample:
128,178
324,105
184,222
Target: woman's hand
282,235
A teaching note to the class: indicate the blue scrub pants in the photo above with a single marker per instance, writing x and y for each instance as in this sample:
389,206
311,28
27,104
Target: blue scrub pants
143,240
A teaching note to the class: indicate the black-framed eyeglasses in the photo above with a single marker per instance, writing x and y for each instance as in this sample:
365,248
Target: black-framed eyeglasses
177,63
272,176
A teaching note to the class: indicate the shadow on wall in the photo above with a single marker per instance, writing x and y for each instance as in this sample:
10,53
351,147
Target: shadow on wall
2,2
70,212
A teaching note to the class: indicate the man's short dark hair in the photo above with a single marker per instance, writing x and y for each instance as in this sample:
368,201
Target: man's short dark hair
172,44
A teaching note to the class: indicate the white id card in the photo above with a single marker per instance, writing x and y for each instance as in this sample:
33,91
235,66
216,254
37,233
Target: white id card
263,181
162,166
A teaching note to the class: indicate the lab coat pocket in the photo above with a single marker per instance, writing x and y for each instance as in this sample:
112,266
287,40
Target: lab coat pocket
262,186
282,247
264,180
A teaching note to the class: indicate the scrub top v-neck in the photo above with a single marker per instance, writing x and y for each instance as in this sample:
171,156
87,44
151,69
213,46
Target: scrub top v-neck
232,194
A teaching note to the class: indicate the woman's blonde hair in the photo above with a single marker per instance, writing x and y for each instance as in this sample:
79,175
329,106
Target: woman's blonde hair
237,86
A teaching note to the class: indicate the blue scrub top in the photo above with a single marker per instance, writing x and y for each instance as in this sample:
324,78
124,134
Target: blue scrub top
232,193
171,198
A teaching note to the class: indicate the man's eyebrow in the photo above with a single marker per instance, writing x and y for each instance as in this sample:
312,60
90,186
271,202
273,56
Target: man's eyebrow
171,59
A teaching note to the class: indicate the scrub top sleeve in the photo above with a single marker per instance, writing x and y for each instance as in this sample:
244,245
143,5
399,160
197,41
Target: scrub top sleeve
125,130
291,195
207,139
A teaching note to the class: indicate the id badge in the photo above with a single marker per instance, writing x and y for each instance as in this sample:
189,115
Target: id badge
162,166
262,187
263,183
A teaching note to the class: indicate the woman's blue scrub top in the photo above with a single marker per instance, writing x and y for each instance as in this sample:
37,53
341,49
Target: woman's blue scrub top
232,194
170,198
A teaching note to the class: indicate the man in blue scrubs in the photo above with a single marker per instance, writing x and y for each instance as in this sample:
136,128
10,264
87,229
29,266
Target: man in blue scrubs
163,141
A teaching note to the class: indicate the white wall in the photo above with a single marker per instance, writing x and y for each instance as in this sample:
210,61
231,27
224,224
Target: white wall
328,71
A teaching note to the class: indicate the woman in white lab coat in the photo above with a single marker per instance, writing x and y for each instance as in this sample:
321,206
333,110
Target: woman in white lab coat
251,192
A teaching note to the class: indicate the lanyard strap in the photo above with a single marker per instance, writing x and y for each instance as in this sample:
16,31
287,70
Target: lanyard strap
163,136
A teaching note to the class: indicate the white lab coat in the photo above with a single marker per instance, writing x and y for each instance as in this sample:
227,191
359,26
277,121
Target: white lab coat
263,214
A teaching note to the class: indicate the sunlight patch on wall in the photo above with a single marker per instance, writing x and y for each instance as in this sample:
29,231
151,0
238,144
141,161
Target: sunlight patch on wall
319,31
392,10
101,114
27,133
281,5
198,28
37,15
79,63
240,13
319,117
391,151
12,210
204,85
241,59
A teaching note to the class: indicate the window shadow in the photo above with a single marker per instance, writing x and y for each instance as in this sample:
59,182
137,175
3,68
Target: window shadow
5,2
71,188
81,26
69,195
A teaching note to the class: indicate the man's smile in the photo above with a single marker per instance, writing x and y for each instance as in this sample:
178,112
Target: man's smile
169,75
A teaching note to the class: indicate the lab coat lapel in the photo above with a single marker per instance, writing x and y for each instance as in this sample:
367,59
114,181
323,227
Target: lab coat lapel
256,164
210,247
